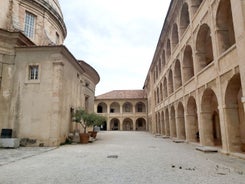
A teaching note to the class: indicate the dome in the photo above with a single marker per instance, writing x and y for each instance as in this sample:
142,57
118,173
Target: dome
55,5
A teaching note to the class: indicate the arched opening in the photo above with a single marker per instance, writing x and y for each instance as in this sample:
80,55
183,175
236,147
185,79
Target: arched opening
195,5
127,107
140,107
211,132
188,70
158,95
184,18
102,108
115,124
127,124
225,27
192,128
175,36
115,107
161,94
166,120
170,82
234,113
204,47
140,124
163,124
103,127
181,122
165,88
172,123
158,123
177,75
159,66
163,59
168,50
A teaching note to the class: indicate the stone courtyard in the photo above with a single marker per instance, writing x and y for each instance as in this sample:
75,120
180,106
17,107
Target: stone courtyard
119,158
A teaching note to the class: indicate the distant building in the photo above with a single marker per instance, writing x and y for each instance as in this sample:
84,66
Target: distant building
41,82
196,82
124,110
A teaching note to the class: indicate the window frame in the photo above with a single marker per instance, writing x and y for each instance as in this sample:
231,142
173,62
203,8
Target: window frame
30,24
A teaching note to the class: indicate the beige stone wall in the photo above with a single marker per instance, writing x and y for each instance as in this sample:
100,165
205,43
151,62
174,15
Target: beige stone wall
41,109
196,78
128,120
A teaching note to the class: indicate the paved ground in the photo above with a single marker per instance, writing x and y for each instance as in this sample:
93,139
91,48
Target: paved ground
120,158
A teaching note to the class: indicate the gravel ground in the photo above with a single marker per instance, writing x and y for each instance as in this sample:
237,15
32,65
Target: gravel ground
121,158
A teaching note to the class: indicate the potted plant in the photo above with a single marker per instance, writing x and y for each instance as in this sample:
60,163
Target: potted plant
97,121
87,120
82,117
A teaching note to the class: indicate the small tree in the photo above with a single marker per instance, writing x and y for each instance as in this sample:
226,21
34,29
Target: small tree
87,119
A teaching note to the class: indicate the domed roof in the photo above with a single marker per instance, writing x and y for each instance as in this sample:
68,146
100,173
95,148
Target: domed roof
55,5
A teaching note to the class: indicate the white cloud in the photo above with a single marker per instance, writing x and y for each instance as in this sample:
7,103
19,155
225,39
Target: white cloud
117,38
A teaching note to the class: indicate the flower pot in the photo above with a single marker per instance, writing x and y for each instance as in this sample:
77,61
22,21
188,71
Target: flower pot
93,134
84,138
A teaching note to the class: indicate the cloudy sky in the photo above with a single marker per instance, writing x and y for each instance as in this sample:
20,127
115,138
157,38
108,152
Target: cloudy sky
116,37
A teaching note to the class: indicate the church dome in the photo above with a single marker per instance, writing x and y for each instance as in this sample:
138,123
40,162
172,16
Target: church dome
55,5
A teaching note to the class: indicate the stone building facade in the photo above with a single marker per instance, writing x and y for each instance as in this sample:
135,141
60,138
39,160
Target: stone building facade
196,82
124,110
41,82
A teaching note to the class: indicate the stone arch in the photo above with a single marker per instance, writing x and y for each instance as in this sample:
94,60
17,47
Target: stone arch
102,108
161,93
115,124
204,47
165,88
192,128
177,75
166,120
188,69
115,107
235,116
195,4
184,18
159,66
170,82
172,122
163,124
127,124
140,124
180,122
175,36
158,95
140,107
225,27
168,50
163,59
127,107
211,132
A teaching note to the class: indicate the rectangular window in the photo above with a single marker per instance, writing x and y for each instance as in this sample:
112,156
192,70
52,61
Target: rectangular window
33,72
29,25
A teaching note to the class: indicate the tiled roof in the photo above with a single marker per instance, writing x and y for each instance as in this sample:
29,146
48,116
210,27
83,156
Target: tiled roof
123,94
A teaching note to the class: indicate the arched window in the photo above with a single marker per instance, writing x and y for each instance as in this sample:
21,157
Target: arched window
184,18
188,70
177,75
204,47
175,36
170,82
168,50
226,35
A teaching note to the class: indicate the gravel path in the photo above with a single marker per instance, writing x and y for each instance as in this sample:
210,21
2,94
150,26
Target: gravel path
124,158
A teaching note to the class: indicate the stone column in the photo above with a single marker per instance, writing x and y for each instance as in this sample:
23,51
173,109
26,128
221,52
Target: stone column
180,122
58,67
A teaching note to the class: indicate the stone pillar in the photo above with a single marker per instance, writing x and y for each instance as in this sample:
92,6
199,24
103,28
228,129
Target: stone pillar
206,132
180,122
58,67
191,128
